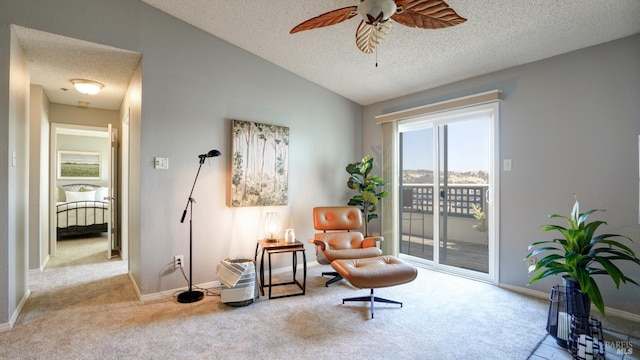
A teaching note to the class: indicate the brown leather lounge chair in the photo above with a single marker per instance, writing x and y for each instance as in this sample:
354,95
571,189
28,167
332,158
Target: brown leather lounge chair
339,238
354,257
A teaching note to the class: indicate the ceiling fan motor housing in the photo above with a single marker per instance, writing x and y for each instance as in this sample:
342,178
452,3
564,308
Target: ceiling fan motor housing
376,11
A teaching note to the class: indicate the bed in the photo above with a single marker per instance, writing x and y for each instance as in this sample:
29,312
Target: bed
81,210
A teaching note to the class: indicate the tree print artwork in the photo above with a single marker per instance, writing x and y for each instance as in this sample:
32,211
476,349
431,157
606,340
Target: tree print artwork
259,164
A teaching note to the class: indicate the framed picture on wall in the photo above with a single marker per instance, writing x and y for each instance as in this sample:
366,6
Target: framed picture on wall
79,165
259,164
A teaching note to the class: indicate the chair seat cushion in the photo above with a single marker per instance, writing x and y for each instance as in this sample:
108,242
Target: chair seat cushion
375,272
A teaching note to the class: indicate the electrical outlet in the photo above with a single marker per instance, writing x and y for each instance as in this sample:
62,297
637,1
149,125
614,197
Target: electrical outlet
178,261
531,263
161,163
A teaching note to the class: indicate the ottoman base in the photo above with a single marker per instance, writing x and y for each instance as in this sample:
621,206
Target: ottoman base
373,299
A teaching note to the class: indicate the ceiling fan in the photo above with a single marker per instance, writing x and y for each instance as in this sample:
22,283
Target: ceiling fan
375,24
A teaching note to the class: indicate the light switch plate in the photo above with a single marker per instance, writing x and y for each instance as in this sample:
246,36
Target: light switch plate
506,166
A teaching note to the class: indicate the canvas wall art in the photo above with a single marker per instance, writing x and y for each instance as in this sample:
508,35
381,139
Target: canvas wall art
259,164
79,165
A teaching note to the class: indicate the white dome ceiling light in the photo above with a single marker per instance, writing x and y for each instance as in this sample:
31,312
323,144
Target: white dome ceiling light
88,87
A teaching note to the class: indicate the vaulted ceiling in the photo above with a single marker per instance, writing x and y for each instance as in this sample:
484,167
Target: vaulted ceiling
498,34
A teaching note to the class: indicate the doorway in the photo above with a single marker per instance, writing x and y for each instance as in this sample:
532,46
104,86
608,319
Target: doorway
82,178
447,208
119,73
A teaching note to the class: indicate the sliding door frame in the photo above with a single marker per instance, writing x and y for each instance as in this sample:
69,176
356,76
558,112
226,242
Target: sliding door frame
485,102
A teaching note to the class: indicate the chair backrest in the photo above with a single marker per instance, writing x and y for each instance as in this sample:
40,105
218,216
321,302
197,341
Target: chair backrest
337,218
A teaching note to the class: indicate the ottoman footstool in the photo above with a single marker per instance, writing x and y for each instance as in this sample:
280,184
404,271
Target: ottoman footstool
372,273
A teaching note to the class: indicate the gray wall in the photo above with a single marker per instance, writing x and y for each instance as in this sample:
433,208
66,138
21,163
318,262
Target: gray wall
38,178
76,115
131,241
192,84
189,113
5,309
571,124
14,125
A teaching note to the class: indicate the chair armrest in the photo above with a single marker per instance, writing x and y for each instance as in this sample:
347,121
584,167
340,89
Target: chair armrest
322,244
371,241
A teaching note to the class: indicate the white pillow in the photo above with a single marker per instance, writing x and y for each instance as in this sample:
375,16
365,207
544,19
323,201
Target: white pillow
80,196
101,193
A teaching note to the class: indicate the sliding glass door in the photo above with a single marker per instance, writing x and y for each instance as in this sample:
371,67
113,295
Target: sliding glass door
446,214
417,169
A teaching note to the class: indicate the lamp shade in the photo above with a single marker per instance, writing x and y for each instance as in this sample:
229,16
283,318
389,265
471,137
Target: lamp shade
88,87
271,226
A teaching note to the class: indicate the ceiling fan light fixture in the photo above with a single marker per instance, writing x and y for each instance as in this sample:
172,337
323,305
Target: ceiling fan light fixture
375,14
88,87
376,11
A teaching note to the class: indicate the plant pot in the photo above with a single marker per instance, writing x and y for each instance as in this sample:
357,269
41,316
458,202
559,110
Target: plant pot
582,305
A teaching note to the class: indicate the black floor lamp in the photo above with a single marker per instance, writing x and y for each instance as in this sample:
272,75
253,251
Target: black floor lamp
190,295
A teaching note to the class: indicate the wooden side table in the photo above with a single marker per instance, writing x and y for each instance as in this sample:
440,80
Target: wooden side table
278,247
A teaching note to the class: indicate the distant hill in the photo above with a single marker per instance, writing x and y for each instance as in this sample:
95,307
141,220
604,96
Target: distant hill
455,177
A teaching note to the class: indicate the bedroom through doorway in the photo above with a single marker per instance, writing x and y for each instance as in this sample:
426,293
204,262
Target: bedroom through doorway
83,170
86,133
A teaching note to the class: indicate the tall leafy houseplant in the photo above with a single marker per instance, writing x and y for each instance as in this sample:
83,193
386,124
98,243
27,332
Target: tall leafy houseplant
367,187
579,254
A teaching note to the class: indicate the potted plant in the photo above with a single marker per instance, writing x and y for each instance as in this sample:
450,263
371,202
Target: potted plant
480,216
366,185
579,254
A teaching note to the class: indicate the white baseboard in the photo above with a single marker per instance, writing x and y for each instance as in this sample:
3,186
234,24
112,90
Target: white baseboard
212,284
14,317
4,327
167,293
135,285
19,308
44,263
544,295
41,268
622,314
313,263
171,293
525,291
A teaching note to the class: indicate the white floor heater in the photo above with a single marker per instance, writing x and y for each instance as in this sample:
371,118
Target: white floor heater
238,279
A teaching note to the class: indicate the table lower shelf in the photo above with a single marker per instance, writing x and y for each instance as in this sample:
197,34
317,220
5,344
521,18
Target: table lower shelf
279,248
295,282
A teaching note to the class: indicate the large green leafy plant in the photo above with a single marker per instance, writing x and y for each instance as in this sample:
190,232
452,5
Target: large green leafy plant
580,254
367,186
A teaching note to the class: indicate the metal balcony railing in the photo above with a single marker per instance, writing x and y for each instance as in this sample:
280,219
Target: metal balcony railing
460,197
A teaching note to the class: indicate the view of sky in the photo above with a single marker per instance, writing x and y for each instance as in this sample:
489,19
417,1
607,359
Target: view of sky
468,147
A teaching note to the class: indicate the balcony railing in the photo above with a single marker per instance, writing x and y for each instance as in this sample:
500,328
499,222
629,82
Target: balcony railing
460,197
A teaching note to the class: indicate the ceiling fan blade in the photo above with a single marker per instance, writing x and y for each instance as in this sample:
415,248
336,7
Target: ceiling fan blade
369,36
426,14
327,19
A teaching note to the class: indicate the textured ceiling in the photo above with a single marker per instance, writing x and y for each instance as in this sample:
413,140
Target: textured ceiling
54,60
498,34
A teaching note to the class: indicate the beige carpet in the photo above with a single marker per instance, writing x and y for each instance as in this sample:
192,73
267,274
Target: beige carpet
84,307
